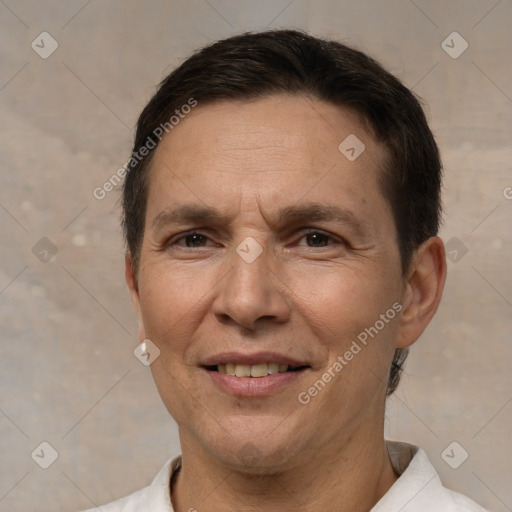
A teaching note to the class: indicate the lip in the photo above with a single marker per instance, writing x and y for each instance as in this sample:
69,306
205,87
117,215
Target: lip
250,359
253,387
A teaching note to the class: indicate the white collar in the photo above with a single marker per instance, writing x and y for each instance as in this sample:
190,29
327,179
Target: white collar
418,488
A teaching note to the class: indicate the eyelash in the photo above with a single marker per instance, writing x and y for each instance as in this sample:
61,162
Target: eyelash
174,240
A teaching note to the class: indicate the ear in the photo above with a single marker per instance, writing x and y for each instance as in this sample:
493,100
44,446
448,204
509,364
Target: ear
131,281
423,290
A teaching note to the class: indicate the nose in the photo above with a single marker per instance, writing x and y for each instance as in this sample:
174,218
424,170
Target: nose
252,294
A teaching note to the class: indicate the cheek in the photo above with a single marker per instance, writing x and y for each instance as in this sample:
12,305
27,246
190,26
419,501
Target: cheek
343,311
169,307
341,302
168,300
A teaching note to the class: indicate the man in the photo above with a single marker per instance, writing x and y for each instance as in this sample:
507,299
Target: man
281,209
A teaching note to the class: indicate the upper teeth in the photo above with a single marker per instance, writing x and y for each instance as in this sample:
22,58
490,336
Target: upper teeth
252,370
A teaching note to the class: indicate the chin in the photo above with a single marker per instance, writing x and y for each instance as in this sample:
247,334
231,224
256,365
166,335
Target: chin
255,451
255,459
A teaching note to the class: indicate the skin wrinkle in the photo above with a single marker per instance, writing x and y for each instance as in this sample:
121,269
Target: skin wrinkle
189,216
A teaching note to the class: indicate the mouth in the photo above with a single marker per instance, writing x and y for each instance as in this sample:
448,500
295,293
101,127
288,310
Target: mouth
254,370
256,375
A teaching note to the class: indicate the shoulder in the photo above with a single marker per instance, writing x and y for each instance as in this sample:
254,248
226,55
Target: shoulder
452,501
154,498
462,502
419,487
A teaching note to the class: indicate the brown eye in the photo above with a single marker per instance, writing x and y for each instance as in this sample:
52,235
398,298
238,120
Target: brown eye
195,240
191,239
317,239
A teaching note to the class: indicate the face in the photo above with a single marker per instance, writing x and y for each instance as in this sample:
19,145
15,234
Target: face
266,246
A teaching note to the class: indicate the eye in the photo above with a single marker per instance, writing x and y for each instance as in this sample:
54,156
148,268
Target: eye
191,239
194,239
318,239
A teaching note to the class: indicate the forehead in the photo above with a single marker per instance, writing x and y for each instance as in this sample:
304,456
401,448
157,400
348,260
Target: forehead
277,151
288,121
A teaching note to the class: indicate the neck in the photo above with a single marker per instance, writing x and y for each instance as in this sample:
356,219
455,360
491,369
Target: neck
352,478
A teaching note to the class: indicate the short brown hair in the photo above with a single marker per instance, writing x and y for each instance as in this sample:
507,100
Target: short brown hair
255,65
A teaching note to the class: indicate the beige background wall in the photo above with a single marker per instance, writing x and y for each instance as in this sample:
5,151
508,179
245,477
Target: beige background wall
67,372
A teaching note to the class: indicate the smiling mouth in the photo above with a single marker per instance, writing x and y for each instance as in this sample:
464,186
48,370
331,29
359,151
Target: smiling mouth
254,370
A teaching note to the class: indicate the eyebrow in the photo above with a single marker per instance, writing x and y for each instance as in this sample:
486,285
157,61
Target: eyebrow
311,211
189,213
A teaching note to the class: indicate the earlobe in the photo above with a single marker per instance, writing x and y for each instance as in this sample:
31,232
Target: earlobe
423,290
133,287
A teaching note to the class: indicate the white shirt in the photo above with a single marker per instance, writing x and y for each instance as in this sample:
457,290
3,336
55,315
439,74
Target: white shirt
418,489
